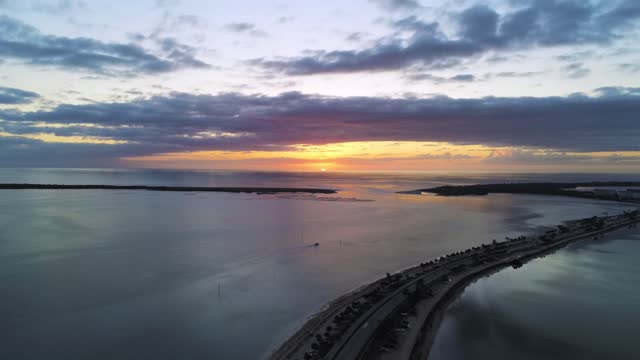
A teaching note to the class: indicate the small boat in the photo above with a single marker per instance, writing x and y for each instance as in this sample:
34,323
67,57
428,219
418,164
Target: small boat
316,244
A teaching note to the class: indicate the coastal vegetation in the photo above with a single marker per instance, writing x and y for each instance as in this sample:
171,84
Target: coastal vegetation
542,188
256,190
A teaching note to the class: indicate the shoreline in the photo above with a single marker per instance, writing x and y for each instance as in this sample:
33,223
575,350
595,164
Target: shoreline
294,342
540,188
234,189
431,325
368,323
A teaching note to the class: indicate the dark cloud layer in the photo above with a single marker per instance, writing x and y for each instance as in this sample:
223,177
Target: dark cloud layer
544,23
25,43
186,122
11,96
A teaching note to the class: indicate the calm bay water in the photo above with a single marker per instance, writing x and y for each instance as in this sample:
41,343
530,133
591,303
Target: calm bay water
578,303
131,274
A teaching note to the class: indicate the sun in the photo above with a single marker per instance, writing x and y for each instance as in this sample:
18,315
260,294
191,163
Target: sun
323,169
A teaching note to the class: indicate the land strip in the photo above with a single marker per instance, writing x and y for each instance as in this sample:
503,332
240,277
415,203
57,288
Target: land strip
545,188
257,190
396,317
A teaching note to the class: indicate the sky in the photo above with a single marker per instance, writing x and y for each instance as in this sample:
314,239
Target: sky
362,85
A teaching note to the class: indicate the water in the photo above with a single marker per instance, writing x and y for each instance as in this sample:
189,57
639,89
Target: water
578,303
134,274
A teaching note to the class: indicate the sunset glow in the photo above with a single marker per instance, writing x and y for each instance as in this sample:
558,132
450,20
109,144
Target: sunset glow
405,86
387,156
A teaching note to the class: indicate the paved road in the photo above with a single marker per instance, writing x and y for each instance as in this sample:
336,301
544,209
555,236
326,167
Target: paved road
355,341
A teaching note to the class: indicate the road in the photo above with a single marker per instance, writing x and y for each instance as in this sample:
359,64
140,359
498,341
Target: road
328,337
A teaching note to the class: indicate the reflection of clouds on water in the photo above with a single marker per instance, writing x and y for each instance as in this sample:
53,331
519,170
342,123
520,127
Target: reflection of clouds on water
482,327
578,303
594,243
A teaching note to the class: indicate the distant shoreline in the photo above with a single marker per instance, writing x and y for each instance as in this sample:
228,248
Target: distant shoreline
541,188
256,190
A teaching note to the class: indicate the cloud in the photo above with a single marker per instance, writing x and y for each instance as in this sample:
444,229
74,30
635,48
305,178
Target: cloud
617,91
21,152
25,43
180,53
285,19
239,27
355,36
622,15
58,7
245,28
575,56
11,96
549,157
167,3
181,122
513,74
394,5
52,7
629,67
576,70
481,29
444,156
192,20
170,24
460,78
